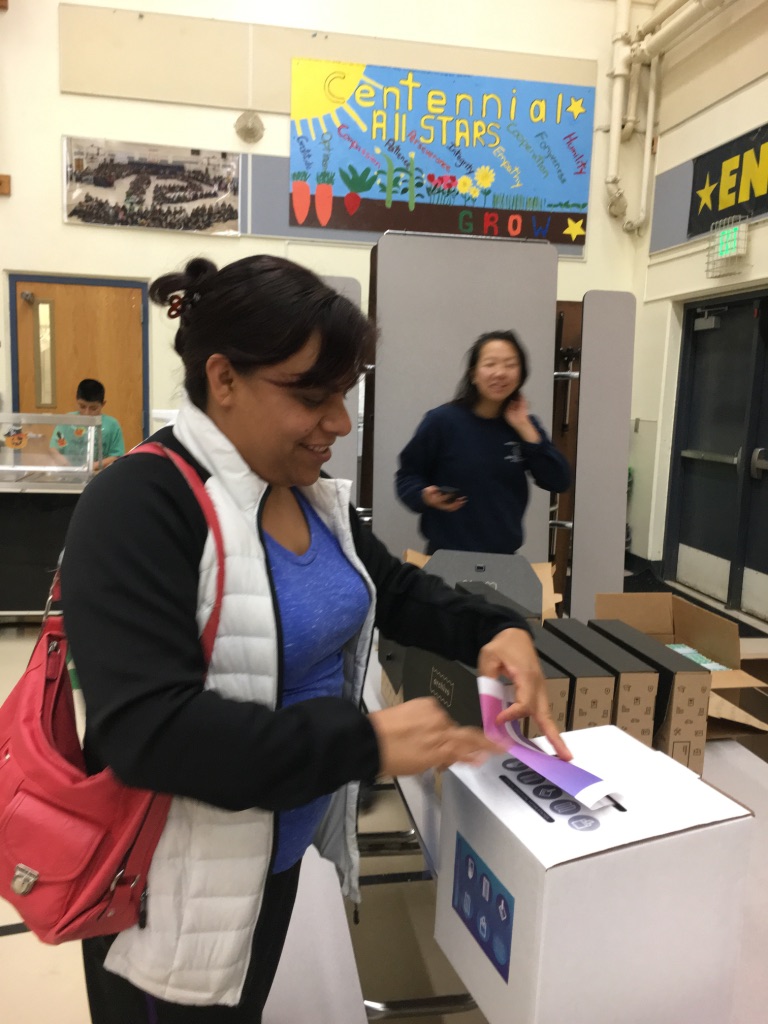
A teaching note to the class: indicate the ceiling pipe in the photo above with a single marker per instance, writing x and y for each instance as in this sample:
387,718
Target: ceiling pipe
617,204
659,16
636,225
631,120
675,27
673,20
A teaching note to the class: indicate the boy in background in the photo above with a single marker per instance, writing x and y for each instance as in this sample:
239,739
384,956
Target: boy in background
71,441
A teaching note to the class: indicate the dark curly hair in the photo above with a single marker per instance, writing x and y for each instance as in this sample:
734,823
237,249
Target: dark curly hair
260,311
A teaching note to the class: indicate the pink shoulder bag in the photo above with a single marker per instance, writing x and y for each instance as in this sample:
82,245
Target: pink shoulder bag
75,849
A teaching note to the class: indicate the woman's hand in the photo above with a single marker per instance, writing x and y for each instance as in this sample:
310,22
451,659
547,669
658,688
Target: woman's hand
420,734
511,653
434,498
518,415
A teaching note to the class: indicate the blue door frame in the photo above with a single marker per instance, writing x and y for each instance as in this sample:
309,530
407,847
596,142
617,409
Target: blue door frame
96,282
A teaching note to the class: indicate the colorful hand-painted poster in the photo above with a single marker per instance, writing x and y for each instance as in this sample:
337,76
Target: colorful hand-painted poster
376,148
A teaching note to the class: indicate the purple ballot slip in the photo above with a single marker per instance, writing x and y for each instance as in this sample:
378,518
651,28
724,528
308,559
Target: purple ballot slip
582,785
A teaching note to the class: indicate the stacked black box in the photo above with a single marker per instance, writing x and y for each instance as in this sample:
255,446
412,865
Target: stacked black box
636,682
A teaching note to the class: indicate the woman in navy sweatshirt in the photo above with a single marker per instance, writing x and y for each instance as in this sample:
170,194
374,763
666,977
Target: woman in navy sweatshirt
465,470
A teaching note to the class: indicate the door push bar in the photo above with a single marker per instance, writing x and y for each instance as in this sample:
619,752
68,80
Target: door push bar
428,1006
758,463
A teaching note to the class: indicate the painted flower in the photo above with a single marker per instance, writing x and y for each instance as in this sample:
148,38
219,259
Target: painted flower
431,178
464,185
485,176
474,191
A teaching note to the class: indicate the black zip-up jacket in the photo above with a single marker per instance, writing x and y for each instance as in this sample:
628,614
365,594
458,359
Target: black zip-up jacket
489,463
129,592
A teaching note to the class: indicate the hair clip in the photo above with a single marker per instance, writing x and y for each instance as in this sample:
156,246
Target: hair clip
181,304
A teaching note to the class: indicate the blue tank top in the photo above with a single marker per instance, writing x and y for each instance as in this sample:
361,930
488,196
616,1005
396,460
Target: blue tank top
323,602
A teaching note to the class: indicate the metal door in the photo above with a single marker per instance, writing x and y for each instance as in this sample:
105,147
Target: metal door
716,540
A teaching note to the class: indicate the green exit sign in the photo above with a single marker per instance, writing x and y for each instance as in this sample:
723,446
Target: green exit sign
728,242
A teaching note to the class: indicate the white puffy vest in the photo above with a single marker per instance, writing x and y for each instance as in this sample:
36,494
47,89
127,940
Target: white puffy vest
208,872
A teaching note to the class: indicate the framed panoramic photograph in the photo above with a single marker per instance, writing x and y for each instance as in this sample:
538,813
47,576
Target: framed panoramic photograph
137,185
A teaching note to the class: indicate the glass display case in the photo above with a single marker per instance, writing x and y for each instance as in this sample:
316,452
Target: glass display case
45,462
48,452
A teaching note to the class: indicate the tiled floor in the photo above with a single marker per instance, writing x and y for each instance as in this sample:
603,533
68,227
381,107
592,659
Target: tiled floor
396,954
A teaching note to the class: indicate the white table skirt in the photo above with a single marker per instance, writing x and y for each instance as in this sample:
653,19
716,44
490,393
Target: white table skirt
317,979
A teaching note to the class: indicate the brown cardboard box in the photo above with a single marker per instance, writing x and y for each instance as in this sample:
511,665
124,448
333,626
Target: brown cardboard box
671,619
592,686
680,718
636,682
389,694
549,599
415,557
558,687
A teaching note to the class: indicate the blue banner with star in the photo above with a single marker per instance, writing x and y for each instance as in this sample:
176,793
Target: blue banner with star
730,181
376,148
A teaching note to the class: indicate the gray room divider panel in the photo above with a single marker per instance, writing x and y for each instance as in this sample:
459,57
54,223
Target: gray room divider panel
602,455
434,295
343,462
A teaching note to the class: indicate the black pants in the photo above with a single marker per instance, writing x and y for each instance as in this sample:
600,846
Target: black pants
113,1000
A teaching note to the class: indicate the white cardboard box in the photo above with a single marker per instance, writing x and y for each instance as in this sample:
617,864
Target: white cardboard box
593,917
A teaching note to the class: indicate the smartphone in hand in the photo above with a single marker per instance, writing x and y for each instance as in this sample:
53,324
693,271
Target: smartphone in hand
450,492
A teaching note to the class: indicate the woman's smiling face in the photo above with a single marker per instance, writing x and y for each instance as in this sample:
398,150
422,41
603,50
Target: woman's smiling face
497,373
283,432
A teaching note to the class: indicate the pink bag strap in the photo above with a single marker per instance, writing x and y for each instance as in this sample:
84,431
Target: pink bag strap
208,636
124,895
127,898
197,487
129,886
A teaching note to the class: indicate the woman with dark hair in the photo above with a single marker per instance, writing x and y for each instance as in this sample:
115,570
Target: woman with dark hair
262,750
465,470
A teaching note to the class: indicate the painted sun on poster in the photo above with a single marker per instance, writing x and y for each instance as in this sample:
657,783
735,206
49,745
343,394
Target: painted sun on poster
376,148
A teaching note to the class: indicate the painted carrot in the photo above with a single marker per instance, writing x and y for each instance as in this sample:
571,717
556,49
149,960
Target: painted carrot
356,182
300,197
324,196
